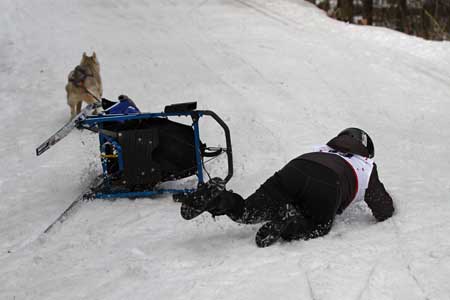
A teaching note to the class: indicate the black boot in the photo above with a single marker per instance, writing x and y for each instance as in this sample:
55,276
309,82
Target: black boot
272,231
269,233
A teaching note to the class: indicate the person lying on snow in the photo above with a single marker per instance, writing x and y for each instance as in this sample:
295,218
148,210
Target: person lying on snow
301,200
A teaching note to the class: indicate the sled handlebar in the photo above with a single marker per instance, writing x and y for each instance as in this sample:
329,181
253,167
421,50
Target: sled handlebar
226,130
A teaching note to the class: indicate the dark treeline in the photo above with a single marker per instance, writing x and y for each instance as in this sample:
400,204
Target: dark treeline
429,19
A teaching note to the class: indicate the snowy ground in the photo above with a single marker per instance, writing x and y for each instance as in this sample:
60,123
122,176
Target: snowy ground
284,77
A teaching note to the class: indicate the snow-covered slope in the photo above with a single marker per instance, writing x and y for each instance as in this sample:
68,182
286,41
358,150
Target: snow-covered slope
284,77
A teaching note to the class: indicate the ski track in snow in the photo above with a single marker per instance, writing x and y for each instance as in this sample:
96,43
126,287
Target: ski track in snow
284,77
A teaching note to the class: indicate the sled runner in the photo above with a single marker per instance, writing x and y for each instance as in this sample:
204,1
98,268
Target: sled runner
66,129
139,151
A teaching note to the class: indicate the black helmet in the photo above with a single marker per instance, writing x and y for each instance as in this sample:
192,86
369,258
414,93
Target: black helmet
361,136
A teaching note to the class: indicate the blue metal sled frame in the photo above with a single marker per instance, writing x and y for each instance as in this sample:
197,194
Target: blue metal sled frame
94,123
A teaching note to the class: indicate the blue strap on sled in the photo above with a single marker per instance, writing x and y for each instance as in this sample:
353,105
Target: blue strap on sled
125,106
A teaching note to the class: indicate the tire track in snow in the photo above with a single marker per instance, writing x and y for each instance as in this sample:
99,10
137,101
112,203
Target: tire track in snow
368,279
268,13
198,6
230,57
311,290
297,28
406,263
307,108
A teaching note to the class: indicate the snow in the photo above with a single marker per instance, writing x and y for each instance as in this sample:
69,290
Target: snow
284,77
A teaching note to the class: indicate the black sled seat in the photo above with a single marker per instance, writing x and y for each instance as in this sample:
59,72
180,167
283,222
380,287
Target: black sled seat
140,151
153,150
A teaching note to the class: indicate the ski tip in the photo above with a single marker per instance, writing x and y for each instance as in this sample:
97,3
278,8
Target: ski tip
42,148
39,151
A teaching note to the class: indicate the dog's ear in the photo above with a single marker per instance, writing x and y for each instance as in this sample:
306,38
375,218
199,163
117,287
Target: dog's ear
94,55
84,55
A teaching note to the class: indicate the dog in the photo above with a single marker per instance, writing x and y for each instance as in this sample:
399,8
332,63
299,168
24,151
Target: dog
84,84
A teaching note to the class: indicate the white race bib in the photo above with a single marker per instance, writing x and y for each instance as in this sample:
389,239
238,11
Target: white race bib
362,166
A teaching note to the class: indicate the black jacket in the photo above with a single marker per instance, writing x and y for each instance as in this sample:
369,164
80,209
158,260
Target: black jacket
376,196
319,184
327,196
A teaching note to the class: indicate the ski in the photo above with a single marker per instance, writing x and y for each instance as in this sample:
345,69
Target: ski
67,128
89,194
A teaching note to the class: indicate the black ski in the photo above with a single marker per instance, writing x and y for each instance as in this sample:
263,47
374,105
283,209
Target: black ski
67,128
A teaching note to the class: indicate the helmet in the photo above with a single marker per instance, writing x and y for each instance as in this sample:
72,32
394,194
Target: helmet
361,136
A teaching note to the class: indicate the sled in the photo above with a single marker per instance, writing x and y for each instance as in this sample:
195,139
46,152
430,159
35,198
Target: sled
141,151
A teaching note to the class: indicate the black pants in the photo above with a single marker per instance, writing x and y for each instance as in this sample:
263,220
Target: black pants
312,189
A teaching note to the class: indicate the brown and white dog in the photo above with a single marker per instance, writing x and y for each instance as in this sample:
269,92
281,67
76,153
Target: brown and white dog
85,84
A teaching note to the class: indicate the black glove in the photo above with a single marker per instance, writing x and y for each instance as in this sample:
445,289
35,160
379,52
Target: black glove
226,203
193,204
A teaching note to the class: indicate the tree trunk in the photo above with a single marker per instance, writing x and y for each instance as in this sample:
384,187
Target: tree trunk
426,22
324,5
368,11
402,14
345,8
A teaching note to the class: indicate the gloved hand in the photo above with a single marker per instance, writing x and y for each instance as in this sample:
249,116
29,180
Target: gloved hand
226,203
193,204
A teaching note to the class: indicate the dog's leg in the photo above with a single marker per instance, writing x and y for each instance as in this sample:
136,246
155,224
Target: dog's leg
72,111
79,107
